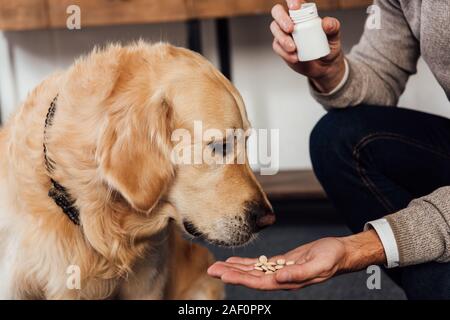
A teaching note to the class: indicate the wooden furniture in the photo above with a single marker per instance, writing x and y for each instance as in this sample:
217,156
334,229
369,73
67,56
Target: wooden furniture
43,14
292,185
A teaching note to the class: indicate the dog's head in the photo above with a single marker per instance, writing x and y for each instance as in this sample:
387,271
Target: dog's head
156,100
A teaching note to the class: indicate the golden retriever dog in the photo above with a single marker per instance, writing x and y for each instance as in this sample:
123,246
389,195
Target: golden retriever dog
91,204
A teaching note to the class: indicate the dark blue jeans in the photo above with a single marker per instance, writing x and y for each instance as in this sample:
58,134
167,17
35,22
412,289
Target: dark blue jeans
373,161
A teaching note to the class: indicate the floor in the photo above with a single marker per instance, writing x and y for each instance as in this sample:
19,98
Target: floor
298,223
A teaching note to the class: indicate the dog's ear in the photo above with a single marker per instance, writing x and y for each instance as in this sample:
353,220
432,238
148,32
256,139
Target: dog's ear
134,152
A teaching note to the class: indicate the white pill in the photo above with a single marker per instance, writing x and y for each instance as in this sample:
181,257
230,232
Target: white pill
263,259
279,267
281,262
259,268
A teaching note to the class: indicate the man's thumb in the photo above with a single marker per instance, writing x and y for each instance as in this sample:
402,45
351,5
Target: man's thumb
283,276
331,26
296,273
294,4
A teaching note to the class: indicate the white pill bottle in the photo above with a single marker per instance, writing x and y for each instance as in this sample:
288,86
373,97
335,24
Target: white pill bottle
309,37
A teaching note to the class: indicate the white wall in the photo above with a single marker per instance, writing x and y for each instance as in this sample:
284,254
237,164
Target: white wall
275,96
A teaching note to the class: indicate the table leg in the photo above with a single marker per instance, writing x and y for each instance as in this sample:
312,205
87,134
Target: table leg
194,35
224,45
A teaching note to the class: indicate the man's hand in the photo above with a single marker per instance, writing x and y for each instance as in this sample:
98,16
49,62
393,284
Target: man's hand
325,73
314,262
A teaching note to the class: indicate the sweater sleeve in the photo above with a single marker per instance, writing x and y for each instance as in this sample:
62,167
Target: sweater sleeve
380,64
422,230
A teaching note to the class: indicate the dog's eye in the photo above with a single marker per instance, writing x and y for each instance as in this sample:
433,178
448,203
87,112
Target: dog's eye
220,147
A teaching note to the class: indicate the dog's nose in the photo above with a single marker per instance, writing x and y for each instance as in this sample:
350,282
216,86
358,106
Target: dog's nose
260,217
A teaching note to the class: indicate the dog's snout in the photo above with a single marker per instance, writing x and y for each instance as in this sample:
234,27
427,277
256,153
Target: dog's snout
260,217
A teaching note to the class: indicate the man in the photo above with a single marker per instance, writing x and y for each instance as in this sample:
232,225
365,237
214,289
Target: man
386,169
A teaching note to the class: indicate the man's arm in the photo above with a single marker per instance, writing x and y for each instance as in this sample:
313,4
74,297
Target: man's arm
363,249
380,64
422,233
422,230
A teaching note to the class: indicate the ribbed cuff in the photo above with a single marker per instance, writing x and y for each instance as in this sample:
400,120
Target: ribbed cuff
417,232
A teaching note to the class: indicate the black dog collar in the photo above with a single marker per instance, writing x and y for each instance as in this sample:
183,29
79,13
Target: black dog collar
57,192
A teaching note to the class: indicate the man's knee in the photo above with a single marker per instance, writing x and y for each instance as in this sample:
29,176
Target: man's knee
334,138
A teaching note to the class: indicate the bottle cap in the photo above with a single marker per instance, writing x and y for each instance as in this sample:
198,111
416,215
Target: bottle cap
306,12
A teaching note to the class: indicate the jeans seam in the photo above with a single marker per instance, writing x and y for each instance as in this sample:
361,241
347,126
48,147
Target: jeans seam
390,136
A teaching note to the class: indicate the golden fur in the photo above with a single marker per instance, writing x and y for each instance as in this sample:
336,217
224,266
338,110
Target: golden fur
110,140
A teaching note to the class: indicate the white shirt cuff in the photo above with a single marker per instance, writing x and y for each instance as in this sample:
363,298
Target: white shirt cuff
342,83
386,235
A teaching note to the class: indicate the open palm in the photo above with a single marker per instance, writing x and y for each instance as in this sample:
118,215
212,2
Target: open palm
314,262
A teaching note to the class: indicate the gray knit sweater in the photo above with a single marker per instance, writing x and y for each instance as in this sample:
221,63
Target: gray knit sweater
380,66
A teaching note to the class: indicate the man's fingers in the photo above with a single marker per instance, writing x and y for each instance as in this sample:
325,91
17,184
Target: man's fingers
241,278
282,18
219,268
216,270
285,40
291,58
332,28
241,260
294,4
263,282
